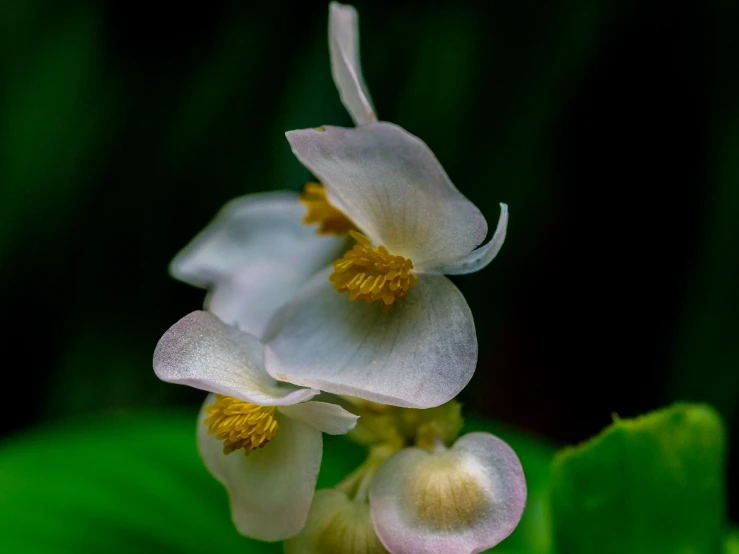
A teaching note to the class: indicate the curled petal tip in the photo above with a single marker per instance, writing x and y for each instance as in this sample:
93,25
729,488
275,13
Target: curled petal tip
345,64
480,257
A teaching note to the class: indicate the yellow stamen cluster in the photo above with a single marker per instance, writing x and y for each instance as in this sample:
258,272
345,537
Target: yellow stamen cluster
329,219
240,424
371,274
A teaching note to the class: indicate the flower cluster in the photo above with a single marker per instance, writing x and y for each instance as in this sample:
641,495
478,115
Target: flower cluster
329,312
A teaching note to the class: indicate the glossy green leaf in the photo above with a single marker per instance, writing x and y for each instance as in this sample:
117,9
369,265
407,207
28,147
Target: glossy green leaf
644,486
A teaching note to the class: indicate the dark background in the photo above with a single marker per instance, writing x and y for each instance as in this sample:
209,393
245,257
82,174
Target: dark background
610,128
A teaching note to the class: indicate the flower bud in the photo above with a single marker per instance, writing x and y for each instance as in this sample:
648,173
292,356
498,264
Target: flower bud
336,525
458,501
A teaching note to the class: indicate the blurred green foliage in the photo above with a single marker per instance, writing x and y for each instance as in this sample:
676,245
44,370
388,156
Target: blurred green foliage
131,483
731,544
58,120
706,357
708,336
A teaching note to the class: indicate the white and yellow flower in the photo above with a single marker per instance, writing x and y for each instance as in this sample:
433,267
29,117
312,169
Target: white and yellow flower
254,256
260,438
260,248
461,500
412,226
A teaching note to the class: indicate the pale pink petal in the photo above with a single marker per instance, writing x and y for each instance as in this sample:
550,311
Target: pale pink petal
461,501
203,352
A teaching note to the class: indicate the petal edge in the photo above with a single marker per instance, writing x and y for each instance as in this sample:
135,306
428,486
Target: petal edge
346,67
478,258
203,352
324,416
420,355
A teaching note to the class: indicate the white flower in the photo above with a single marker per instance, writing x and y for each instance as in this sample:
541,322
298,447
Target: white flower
458,501
415,227
253,257
257,252
271,432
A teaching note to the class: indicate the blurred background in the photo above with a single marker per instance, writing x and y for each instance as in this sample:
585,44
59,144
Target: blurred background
610,128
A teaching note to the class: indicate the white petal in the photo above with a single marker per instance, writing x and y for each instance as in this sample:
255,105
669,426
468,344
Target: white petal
389,183
419,355
419,505
343,42
252,295
271,489
203,352
326,417
337,525
479,258
249,229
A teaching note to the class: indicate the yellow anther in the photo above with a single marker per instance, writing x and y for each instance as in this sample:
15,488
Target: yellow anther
329,219
240,424
370,274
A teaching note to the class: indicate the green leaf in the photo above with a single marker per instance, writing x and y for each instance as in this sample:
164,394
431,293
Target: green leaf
648,485
127,483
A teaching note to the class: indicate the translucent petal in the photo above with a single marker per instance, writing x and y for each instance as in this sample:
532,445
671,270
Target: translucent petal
462,501
253,293
247,230
271,489
389,183
478,258
419,355
203,352
324,416
336,524
343,42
